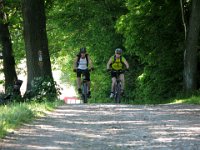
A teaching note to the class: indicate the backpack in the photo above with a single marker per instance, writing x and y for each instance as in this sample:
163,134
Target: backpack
121,61
79,57
114,59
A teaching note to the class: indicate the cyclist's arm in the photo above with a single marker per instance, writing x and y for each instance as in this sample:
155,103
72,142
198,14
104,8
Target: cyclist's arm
109,63
90,62
126,63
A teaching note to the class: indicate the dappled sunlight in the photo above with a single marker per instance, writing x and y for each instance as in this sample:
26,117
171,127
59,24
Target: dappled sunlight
108,122
44,147
164,140
87,134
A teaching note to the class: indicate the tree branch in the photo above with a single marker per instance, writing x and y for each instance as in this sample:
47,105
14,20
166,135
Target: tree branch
183,18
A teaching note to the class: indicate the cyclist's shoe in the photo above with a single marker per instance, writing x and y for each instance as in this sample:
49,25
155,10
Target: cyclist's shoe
89,94
79,91
111,94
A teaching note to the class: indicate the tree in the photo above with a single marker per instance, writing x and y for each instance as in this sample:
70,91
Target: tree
36,43
8,59
190,54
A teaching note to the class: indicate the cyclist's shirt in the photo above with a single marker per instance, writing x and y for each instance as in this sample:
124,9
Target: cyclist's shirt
82,64
117,63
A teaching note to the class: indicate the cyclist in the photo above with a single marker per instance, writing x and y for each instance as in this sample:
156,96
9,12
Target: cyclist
117,63
81,63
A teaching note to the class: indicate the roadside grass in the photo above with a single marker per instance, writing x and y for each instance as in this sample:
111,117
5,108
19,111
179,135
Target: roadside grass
191,100
14,115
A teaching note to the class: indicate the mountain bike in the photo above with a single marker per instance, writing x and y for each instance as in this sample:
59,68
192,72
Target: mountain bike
84,87
117,86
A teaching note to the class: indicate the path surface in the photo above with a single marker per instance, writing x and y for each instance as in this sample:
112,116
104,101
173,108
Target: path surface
111,127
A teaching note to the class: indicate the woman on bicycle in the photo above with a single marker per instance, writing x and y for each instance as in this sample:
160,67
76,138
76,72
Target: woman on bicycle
114,64
81,63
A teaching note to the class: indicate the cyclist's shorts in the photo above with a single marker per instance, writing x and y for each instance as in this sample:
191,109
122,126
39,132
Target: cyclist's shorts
114,74
85,72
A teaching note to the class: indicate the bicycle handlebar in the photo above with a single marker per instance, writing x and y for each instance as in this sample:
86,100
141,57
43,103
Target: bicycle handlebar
91,69
118,71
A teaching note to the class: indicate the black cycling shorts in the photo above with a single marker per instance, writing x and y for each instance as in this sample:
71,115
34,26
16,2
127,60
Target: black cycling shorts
114,74
85,72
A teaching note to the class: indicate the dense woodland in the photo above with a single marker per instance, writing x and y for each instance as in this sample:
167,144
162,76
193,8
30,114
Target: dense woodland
160,40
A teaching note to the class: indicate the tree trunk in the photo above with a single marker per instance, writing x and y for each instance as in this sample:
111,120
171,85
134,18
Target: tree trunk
36,44
8,59
190,54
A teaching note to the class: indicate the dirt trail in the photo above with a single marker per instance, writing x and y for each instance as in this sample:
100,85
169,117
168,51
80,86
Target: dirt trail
111,127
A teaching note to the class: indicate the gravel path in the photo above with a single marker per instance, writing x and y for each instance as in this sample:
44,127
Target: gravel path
111,127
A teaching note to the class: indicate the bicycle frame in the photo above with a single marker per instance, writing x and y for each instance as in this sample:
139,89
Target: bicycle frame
84,85
84,89
117,87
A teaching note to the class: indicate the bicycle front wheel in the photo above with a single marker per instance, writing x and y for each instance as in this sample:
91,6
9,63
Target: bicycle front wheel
84,92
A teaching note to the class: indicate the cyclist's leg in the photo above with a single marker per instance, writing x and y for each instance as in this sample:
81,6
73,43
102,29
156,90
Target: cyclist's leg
122,78
112,87
113,84
114,77
79,80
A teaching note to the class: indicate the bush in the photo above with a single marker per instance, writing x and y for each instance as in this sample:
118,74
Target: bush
43,89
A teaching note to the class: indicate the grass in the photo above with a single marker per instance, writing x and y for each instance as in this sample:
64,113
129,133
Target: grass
191,100
14,115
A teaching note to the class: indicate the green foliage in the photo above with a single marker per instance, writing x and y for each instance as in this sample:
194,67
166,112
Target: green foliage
100,86
191,100
43,89
13,17
152,33
85,24
14,115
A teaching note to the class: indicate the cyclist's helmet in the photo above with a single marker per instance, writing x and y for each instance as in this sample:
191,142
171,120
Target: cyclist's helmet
83,50
118,51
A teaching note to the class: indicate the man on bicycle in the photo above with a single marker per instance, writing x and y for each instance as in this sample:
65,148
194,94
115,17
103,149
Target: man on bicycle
81,63
114,64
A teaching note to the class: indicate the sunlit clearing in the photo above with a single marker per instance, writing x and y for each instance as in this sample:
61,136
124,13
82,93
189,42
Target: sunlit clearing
65,89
